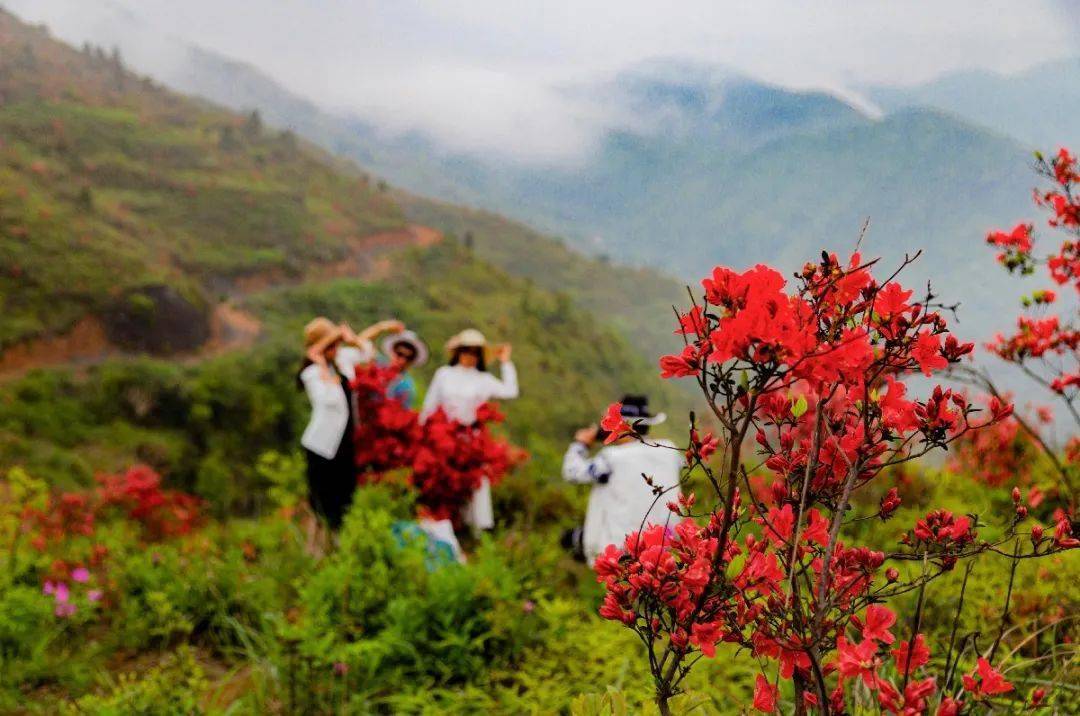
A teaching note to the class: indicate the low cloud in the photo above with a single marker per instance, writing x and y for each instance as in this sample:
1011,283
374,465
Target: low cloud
491,76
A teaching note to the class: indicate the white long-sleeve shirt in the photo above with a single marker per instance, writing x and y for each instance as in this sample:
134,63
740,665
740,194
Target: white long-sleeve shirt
460,391
621,502
329,411
329,402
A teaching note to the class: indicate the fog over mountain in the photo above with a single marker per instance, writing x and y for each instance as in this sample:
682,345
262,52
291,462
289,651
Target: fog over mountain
1039,106
676,160
489,77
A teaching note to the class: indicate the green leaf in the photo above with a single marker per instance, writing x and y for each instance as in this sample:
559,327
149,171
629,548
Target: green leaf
798,408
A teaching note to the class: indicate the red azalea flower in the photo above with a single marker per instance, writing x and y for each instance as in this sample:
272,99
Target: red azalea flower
765,695
920,655
927,352
989,682
614,423
877,623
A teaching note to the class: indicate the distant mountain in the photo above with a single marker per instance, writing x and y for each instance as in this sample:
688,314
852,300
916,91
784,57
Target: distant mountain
701,166
1040,106
125,206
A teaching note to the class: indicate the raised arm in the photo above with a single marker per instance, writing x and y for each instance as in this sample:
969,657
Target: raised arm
578,467
372,331
506,387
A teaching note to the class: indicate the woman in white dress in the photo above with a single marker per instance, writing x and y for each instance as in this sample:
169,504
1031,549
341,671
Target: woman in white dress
460,388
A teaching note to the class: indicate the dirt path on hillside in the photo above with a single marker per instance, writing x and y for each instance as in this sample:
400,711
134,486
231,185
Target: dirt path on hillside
231,327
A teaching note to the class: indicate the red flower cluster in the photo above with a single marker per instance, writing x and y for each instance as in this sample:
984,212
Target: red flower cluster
387,432
162,513
1035,338
137,493
985,681
66,514
446,461
814,375
941,533
451,460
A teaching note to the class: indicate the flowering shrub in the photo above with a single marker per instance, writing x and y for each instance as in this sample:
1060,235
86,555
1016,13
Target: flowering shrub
137,493
161,513
67,523
446,461
812,378
1002,453
452,460
1044,344
387,432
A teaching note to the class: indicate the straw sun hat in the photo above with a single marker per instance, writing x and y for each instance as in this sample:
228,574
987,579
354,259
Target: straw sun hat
317,329
469,338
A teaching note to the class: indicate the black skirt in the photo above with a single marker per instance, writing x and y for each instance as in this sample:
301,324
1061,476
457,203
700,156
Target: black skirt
332,482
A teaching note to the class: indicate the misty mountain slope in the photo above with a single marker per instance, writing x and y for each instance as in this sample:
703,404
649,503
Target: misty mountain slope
125,204
706,168
637,301
739,172
666,125
1040,106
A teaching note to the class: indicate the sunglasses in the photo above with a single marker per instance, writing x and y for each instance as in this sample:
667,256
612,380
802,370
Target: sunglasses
405,354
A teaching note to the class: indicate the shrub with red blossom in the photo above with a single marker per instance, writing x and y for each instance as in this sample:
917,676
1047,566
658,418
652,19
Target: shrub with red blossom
811,376
445,460
452,460
1044,344
161,512
387,432
137,493
1002,453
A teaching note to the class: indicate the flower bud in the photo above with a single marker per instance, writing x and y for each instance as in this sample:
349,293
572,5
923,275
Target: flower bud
1016,495
1021,512
892,574
1036,534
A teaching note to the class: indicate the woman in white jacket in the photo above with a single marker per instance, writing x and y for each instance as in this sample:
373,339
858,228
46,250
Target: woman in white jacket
327,441
460,388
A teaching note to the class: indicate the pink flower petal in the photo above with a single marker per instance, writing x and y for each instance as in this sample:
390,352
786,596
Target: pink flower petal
49,588
62,593
94,595
80,574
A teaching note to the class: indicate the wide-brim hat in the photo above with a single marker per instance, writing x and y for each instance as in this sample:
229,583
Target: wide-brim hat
469,338
410,339
317,329
635,409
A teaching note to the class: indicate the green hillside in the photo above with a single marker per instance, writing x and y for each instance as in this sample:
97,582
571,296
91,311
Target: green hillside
733,171
636,301
145,210
109,186
122,200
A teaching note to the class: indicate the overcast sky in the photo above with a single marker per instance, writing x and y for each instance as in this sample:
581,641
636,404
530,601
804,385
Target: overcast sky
484,74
